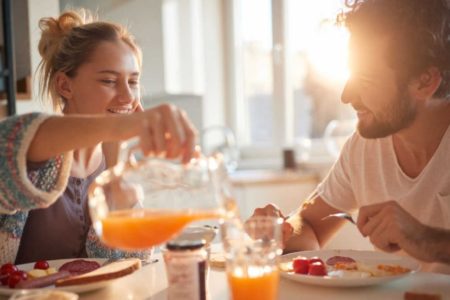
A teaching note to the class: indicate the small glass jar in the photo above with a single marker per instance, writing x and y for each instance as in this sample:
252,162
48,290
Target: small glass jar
187,269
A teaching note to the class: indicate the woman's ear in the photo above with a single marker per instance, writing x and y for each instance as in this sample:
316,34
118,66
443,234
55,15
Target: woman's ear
427,83
63,85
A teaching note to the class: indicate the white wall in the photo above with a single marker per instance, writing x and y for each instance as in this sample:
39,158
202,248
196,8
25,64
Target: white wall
144,20
189,61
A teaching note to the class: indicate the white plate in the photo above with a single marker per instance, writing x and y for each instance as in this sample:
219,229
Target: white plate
73,288
366,257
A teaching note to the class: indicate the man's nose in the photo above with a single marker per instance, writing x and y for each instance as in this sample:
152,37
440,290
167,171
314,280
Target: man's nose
350,93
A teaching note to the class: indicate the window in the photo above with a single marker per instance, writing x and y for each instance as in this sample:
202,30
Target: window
287,70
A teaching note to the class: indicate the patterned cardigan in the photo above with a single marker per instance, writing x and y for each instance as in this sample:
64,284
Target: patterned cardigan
22,190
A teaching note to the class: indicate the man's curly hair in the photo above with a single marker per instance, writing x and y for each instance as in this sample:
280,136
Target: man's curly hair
419,32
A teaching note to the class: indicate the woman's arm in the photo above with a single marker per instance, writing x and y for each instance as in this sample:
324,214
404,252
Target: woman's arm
39,138
163,130
60,134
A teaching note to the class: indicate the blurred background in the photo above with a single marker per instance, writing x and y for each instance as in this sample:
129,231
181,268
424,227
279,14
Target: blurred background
255,76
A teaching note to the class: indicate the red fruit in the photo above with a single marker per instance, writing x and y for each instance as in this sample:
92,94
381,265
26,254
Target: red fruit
4,280
315,259
301,265
317,269
15,277
41,264
8,269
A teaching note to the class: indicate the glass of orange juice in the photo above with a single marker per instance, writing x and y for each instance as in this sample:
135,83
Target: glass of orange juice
145,201
252,250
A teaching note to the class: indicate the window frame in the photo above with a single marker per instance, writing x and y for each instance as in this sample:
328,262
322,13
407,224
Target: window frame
236,108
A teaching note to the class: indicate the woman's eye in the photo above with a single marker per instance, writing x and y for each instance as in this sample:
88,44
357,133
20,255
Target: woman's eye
108,81
133,82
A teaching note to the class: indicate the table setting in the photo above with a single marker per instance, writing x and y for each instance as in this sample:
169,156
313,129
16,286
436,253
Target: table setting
146,203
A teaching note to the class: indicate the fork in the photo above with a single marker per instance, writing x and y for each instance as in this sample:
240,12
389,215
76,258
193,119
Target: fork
341,215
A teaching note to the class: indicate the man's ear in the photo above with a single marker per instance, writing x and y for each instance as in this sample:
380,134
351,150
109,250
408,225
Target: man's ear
63,85
427,83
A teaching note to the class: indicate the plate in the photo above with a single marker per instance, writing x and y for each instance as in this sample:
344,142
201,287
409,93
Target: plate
73,288
365,257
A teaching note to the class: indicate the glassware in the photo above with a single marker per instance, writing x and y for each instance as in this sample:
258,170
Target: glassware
143,202
186,263
336,134
194,233
221,139
252,250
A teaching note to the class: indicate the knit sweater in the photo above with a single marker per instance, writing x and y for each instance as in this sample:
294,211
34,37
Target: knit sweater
22,190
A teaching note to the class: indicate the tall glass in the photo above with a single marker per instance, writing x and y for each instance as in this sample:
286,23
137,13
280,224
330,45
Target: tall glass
252,251
143,202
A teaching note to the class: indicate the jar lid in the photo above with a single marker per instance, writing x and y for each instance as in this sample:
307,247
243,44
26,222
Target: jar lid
180,245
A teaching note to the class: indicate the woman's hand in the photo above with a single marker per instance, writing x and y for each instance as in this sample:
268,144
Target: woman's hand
168,133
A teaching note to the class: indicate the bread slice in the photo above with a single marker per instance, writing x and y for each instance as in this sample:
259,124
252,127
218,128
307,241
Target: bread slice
110,271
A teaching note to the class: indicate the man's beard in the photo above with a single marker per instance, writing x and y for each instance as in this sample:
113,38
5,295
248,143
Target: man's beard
400,114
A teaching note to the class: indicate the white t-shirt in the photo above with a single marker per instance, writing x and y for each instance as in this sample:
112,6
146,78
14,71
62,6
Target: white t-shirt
368,172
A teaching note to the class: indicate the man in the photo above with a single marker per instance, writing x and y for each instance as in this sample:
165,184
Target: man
395,168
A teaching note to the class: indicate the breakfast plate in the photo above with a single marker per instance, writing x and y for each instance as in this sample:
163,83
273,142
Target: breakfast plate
368,259
4,290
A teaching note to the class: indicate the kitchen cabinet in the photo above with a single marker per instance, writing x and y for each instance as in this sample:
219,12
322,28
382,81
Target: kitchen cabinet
287,190
284,188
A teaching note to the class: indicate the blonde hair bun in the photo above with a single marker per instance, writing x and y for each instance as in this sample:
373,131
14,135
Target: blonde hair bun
55,29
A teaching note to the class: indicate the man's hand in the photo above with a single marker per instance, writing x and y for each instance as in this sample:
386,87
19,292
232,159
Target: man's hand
273,210
391,228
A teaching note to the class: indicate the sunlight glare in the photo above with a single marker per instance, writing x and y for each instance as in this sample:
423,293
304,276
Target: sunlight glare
328,53
314,34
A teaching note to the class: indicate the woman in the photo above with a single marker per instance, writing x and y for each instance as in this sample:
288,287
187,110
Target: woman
87,68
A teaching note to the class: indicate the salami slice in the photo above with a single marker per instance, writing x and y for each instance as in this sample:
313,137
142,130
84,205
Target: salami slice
339,259
79,266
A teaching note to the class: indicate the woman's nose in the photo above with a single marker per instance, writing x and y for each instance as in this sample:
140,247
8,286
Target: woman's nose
126,94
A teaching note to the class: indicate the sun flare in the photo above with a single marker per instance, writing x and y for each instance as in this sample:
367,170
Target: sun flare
327,53
315,35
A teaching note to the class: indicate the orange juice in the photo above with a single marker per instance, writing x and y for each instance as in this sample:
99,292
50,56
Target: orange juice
141,229
262,287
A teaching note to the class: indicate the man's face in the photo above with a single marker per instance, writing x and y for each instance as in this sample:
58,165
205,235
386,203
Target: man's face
383,107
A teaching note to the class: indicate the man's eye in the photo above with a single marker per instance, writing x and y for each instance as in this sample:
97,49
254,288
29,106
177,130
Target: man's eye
364,82
133,82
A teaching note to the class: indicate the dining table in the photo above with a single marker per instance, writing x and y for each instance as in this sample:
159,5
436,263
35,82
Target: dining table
150,282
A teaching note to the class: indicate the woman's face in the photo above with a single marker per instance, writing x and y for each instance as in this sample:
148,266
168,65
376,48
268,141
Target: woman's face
107,83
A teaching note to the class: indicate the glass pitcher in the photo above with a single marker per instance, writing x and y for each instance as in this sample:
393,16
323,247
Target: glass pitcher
145,201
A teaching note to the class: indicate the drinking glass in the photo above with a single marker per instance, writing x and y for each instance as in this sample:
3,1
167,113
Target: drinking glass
336,134
252,251
221,139
143,202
